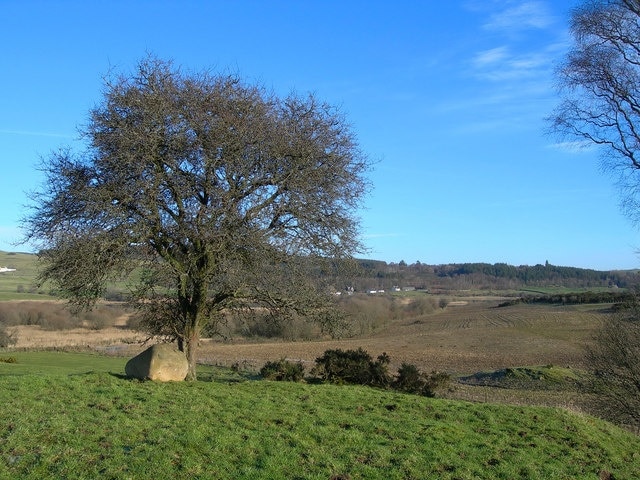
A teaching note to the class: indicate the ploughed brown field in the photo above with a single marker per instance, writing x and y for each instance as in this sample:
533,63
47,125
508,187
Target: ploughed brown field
468,336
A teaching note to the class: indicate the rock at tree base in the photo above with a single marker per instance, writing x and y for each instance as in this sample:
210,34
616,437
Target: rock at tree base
162,362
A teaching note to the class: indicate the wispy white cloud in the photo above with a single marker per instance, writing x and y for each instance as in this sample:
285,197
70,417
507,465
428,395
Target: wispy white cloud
521,43
534,14
499,64
493,56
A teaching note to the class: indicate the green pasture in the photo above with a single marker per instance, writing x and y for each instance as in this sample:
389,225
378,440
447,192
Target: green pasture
52,362
69,415
19,285
58,363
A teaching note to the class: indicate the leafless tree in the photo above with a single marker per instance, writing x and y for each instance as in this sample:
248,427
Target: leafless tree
614,360
599,83
209,193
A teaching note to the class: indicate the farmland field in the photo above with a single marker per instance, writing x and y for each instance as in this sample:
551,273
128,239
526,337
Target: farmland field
460,339
465,337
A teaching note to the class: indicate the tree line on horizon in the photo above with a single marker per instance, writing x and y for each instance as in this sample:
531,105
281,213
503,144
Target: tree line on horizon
363,275
380,275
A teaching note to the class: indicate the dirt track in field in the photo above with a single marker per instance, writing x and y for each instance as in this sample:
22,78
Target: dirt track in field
463,338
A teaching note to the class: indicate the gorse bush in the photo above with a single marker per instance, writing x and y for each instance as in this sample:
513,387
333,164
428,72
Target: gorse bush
283,370
412,380
358,367
409,379
354,367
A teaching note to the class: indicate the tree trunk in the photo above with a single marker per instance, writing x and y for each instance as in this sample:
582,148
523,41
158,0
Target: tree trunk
192,346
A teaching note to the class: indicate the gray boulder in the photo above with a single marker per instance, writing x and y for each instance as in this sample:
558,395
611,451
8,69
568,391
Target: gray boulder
162,363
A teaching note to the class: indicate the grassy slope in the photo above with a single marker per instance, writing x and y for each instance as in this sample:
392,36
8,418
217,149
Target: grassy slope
24,276
58,422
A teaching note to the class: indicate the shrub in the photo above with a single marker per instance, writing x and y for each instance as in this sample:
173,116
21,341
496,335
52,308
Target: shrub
8,315
6,339
55,316
613,359
353,367
409,379
421,306
412,380
283,370
8,360
358,367
369,313
259,325
101,317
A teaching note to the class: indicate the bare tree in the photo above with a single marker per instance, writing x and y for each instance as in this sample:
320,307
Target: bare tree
599,83
209,193
614,359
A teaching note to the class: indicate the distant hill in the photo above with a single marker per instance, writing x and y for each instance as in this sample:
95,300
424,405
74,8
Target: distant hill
370,274
19,283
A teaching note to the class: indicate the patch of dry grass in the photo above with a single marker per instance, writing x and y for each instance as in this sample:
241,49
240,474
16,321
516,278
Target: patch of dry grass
34,337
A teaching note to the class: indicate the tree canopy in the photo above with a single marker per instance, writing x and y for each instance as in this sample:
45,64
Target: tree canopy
214,195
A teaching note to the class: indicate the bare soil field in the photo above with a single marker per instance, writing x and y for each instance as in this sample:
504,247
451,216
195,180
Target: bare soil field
463,338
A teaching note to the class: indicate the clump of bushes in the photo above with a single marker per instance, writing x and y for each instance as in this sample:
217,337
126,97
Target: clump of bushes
54,316
283,370
412,380
258,325
357,367
8,360
354,367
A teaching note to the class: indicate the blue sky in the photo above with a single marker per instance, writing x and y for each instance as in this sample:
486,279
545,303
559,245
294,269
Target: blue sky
448,98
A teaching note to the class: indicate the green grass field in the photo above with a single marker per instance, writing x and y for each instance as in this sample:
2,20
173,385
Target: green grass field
68,415
19,285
